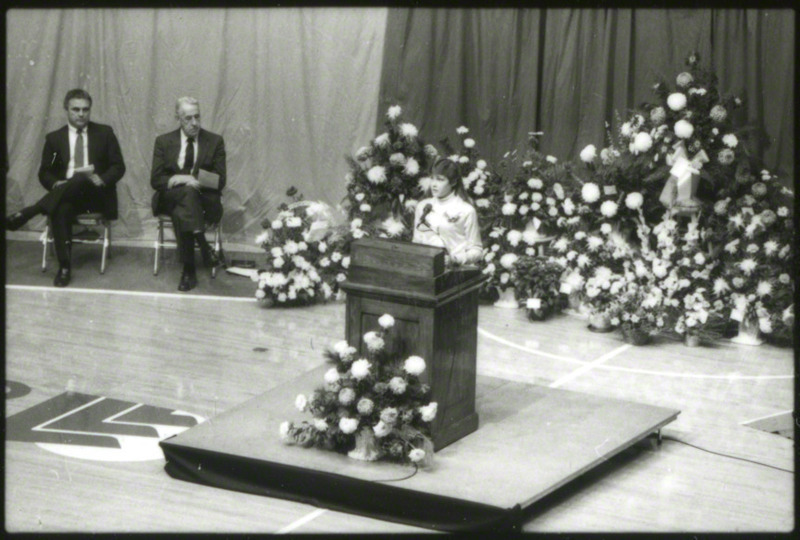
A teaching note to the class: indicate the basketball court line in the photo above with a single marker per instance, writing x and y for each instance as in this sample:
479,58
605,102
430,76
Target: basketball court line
302,521
131,293
589,366
730,376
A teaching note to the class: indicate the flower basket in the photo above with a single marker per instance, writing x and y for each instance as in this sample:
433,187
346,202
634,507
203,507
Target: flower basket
748,332
600,322
636,336
506,299
539,314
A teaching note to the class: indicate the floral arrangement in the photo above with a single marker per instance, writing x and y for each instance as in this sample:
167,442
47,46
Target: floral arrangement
479,183
383,185
301,265
371,407
638,308
537,283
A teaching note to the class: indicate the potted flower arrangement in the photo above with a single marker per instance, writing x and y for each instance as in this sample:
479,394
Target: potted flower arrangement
296,243
371,407
383,185
537,283
639,308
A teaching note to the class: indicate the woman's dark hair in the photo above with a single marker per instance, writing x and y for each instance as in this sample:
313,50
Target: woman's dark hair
449,169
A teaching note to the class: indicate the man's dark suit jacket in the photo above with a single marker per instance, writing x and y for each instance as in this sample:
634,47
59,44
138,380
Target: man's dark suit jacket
210,157
104,154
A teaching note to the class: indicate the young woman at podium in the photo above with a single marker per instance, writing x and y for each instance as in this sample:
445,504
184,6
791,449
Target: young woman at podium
448,219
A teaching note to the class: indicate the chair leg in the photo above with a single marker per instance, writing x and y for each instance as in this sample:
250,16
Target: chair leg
106,243
217,249
159,245
45,236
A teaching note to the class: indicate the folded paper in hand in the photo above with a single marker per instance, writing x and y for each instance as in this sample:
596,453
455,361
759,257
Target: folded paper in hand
208,179
85,171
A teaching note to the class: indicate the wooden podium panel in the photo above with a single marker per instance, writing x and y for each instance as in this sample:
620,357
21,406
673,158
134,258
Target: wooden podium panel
436,317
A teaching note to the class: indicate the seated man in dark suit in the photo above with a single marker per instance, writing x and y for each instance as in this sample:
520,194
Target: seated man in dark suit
81,165
179,158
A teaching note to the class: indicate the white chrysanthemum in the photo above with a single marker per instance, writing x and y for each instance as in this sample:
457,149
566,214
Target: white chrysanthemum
424,183
764,288
634,200
348,425
509,209
642,142
589,153
412,167
365,406
508,260
658,115
431,151
301,402
684,79
481,164
463,159
260,294
381,429
513,236
320,424
718,113
606,228
529,236
699,259
398,158
332,376
408,131
394,112
386,321
747,266
428,412
683,129
608,208
284,430
590,192
376,175
373,341
535,183
730,140
343,349
625,129
347,396
676,101
551,159
382,140
726,156
594,243
397,385
277,224
414,365
416,455
363,153
360,368
462,130
469,143
393,227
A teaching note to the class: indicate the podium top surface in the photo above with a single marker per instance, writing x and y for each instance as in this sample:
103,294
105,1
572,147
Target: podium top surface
398,257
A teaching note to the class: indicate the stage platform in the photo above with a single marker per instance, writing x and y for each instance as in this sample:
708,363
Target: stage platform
531,441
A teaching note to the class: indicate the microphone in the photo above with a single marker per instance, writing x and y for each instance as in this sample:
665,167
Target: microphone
427,209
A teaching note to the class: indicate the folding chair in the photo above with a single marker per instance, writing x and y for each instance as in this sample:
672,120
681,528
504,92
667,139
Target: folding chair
165,221
87,235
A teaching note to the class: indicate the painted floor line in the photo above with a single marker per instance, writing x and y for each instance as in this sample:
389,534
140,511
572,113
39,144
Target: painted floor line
131,293
588,367
730,376
302,521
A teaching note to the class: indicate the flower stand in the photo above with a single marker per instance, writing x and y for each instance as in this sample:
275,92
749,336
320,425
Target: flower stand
507,299
748,332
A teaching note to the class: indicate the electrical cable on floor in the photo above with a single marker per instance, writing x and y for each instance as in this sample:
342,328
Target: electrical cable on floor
667,438
416,469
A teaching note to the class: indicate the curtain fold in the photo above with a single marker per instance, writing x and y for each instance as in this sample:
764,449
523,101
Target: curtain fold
292,91
566,72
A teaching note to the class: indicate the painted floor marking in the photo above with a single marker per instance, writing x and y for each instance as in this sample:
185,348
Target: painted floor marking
131,293
730,376
588,367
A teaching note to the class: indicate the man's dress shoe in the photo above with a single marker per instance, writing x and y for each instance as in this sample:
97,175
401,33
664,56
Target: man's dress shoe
62,277
15,221
188,281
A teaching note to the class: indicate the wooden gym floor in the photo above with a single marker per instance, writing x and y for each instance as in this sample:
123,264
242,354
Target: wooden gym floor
203,353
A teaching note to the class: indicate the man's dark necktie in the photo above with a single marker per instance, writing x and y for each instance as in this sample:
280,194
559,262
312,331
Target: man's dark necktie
79,150
188,163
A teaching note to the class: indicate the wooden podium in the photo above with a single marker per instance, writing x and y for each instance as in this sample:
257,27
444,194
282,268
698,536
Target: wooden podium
436,317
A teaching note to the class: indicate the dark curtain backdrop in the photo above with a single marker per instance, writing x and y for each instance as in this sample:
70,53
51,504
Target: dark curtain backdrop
505,72
292,91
